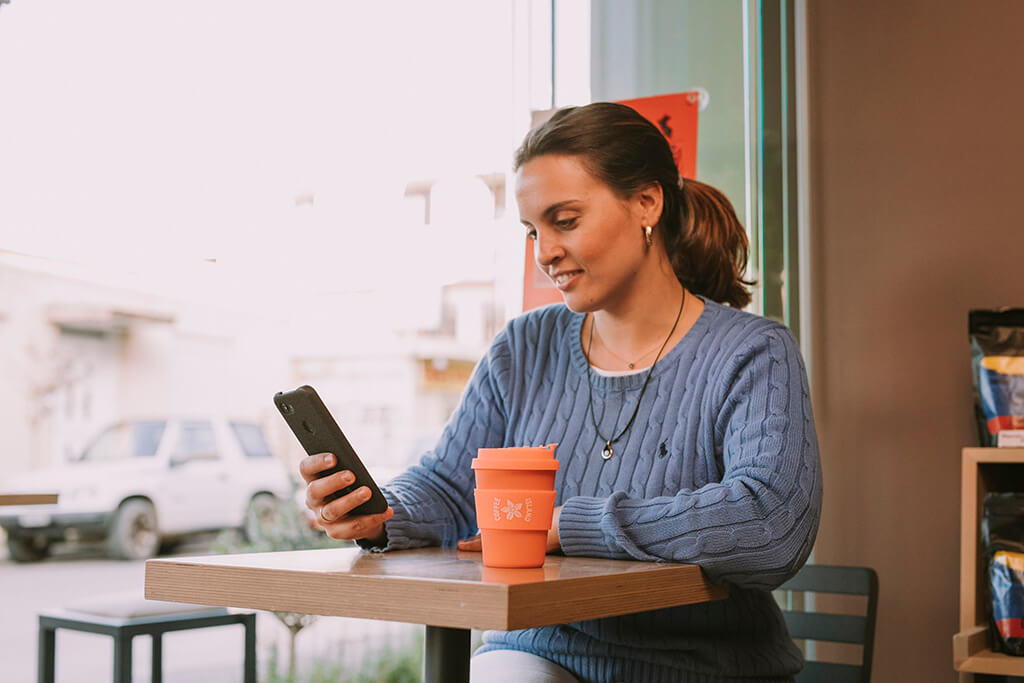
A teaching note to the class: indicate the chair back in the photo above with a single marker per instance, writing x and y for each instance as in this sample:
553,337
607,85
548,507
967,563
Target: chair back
836,628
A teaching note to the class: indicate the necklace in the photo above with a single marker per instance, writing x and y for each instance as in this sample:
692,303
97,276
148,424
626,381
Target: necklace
608,451
630,365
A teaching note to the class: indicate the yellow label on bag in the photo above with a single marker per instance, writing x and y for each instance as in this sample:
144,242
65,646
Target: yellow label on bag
1011,560
1007,365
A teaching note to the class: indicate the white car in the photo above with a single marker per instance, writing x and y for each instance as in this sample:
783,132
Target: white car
147,482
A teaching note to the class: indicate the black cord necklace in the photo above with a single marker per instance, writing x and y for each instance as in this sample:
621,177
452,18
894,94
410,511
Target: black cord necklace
607,451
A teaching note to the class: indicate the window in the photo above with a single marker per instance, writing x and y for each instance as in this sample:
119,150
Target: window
127,440
742,53
196,440
250,438
310,192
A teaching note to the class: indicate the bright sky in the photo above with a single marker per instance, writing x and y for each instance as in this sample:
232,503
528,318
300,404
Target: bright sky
146,136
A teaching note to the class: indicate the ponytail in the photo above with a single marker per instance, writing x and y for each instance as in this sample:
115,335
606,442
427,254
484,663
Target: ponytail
705,242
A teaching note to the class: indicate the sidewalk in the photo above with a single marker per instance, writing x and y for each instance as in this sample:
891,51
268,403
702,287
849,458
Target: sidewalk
213,654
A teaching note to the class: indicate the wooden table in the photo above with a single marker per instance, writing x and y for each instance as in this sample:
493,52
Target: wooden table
449,591
28,498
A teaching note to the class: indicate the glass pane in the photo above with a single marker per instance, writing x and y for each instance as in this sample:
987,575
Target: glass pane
196,440
779,253
741,52
256,206
656,47
250,437
127,440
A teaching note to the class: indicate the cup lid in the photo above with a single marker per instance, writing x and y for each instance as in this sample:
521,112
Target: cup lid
517,458
541,452
511,462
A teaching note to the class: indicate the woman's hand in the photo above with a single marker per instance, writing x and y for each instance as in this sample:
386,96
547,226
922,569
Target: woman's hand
554,545
334,517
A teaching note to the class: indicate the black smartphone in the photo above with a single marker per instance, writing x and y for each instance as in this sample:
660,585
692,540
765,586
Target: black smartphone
317,431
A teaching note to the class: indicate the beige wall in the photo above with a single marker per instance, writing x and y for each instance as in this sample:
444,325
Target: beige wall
916,186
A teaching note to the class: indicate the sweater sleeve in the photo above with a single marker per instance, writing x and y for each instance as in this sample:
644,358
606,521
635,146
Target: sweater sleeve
433,500
756,526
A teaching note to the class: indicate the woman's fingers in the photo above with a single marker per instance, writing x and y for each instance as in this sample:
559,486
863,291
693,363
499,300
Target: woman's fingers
339,507
355,527
318,489
553,544
335,517
312,465
473,543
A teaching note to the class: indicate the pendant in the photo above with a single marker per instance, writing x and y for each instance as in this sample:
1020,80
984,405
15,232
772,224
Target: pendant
606,452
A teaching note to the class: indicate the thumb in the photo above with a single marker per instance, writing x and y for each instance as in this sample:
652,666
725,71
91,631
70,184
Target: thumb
472,543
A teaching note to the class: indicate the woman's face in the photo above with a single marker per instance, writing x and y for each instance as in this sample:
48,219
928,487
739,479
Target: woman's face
587,240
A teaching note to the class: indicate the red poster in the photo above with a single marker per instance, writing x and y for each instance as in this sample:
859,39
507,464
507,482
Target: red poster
676,117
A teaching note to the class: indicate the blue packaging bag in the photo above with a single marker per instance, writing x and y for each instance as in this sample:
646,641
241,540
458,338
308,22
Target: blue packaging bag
997,362
1007,582
1002,530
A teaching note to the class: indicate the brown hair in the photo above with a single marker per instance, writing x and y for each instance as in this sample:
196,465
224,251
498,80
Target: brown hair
706,244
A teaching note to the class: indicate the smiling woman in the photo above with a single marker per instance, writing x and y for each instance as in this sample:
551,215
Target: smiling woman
684,424
606,154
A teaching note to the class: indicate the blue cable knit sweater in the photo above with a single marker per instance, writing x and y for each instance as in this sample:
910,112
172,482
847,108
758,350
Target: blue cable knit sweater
719,469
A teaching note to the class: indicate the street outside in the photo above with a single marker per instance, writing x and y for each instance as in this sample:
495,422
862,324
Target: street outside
210,654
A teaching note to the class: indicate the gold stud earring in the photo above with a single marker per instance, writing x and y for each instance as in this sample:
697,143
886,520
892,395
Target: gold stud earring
648,237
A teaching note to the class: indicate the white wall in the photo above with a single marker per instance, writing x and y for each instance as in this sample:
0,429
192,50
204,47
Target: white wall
61,387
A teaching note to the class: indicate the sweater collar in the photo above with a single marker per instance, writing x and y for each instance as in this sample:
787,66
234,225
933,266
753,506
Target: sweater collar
684,347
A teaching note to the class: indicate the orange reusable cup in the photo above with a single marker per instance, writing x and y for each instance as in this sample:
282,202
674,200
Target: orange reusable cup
514,525
515,500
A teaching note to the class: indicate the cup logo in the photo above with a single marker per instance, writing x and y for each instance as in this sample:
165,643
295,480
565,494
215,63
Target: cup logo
511,509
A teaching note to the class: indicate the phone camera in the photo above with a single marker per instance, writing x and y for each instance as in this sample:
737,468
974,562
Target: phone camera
287,408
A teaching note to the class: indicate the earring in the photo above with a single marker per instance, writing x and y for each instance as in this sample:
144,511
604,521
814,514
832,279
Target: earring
648,230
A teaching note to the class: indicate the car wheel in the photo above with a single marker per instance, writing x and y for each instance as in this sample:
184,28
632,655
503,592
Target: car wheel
262,513
27,548
134,535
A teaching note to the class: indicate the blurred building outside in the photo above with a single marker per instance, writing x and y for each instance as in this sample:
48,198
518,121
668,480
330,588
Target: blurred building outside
77,356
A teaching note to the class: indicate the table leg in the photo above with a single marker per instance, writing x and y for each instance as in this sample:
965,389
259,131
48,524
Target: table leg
47,643
446,655
157,664
122,658
249,666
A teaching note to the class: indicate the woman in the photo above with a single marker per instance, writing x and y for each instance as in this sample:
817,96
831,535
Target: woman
684,424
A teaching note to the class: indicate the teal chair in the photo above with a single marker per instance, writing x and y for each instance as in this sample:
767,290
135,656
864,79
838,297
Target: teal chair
835,628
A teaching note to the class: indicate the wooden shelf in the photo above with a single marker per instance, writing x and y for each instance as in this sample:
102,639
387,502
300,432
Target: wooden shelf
972,654
994,663
983,470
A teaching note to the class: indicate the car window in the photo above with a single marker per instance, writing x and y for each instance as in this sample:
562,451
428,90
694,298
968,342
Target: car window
196,439
126,440
251,439
146,437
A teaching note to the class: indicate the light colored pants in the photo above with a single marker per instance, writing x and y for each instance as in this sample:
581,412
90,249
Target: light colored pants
512,666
